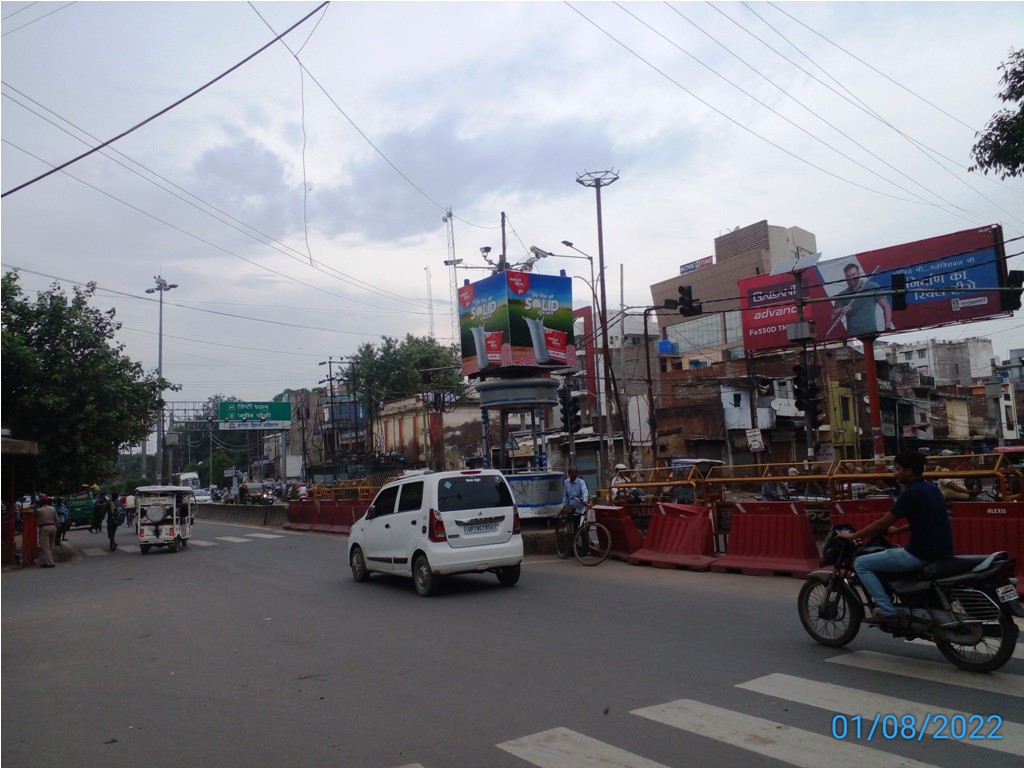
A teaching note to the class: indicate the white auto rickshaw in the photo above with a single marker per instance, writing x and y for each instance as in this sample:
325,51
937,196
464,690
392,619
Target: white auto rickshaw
164,515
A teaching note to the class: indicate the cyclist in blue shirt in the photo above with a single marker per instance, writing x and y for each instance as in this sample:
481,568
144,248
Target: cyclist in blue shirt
574,496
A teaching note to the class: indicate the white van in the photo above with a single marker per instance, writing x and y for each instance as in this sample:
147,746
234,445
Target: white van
432,525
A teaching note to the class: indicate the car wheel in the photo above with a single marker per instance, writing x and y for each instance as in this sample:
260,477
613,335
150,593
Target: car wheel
423,577
358,565
509,575
145,549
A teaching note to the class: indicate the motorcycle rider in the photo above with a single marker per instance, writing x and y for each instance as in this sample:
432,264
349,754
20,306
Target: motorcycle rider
931,536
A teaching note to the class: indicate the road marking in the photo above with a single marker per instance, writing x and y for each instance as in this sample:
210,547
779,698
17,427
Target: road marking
202,543
234,539
774,740
934,671
264,536
94,551
840,699
1018,650
563,748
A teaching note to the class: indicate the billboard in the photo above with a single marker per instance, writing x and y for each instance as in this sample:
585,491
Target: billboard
953,278
516,320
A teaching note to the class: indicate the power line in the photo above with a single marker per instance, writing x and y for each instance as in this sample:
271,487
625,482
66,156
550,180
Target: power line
165,110
268,240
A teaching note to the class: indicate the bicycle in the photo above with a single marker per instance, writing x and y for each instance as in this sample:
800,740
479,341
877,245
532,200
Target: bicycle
590,542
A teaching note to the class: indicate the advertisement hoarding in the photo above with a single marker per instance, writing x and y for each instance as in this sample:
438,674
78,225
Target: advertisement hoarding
950,279
516,320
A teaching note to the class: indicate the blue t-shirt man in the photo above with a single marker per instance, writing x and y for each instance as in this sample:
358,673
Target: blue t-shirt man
931,535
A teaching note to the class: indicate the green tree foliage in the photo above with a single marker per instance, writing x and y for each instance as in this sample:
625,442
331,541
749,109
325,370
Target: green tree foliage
1001,145
68,386
396,369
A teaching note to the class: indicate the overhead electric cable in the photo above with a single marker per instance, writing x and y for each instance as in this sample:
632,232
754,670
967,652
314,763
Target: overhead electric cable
373,146
814,113
855,101
732,120
165,110
874,69
298,257
30,23
197,237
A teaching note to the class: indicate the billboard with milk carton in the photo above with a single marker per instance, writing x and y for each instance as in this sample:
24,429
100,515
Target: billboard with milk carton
516,320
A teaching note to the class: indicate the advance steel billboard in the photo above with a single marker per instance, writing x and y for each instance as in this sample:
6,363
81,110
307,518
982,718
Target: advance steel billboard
516,320
950,279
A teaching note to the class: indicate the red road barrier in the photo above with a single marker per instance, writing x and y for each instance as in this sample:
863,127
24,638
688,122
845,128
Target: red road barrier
323,520
327,516
301,515
982,527
774,539
625,536
678,538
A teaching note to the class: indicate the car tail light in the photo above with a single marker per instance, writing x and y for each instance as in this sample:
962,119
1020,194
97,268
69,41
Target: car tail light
515,519
435,527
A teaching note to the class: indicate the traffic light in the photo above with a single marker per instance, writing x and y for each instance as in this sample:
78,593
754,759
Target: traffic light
564,398
899,292
807,391
687,306
575,421
1009,299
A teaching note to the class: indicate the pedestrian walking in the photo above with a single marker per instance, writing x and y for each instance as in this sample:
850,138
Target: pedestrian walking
99,512
114,519
63,523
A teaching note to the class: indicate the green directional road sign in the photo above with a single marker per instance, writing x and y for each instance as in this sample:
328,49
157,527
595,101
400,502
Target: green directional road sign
235,415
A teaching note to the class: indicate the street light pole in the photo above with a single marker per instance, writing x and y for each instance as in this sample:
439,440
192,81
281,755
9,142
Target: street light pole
162,286
597,180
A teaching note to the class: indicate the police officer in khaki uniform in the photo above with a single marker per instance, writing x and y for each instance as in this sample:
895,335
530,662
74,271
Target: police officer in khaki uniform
46,522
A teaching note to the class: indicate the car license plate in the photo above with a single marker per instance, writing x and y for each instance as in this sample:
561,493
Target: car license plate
482,528
1007,593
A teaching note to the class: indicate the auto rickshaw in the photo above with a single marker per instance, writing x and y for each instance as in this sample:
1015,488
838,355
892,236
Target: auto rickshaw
164,515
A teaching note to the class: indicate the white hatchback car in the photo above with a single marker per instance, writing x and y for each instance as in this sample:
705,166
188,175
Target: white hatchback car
434,524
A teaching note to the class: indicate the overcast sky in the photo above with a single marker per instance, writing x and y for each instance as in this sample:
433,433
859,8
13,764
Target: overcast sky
298,208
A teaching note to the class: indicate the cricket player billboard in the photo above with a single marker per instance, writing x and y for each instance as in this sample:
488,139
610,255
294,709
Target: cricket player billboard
953,278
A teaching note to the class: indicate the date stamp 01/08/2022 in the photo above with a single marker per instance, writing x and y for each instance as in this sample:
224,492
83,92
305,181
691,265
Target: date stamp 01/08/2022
892,727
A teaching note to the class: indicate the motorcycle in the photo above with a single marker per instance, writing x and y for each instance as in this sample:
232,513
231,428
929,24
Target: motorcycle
965,605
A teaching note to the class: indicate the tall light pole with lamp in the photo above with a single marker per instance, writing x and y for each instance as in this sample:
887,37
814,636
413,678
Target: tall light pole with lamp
597,180
162,286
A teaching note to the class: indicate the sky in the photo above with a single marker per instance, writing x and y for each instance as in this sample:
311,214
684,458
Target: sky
298,202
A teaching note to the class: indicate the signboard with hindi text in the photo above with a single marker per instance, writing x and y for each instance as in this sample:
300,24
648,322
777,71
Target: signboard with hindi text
249,415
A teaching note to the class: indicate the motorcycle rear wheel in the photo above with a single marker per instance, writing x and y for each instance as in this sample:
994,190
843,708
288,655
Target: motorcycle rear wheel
994,649
832,616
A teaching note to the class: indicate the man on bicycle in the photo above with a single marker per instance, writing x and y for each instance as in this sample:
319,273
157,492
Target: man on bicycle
574,496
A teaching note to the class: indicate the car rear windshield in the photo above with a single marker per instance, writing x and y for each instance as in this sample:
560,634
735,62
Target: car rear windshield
455,494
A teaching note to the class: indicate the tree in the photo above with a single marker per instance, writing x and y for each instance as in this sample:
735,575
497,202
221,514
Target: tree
67,385
404,368
1001,146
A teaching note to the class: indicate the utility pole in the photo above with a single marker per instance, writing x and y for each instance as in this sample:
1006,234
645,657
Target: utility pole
329,362
597,180
162,286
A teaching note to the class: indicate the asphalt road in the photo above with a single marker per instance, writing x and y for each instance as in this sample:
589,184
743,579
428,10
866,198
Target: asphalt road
254,647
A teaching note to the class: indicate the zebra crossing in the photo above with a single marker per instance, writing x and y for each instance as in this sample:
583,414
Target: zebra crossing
248,538
757,739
